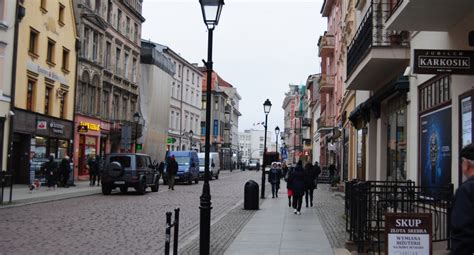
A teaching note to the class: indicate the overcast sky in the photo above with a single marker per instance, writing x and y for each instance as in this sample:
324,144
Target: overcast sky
260,46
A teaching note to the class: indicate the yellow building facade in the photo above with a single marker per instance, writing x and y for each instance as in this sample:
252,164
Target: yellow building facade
45,86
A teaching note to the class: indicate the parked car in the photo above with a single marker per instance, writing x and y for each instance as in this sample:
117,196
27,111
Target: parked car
124,170
213,160
253,164
188,166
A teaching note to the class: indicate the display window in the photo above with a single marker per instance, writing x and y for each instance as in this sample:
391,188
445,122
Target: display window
87,149
465,125
396,139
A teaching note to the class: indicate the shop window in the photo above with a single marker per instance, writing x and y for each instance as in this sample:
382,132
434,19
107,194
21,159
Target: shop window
30,93
434,93
61,14
47,100
396,139
65,62
33,44
50,52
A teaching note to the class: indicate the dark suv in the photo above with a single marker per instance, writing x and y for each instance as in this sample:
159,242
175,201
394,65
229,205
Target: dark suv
125,170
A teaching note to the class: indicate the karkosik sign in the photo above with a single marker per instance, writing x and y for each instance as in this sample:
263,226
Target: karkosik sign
443,62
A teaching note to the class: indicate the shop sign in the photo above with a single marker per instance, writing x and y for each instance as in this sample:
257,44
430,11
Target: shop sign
81,129
56,127
47,73
408,233
42,125
90,126
443,62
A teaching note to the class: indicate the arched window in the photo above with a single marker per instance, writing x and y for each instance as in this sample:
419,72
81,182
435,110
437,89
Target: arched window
92,97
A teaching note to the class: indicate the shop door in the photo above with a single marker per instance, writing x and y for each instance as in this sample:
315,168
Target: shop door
21,159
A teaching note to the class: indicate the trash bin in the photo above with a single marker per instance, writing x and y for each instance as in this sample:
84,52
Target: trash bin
251,195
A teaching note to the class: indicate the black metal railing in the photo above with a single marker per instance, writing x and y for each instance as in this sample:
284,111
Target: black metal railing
170,225
372,33
368,201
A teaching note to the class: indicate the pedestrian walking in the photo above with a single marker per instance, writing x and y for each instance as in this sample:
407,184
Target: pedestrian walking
274,176
50,170
317,172
93,169
288,187
161,170
309,177
462,217
296,180
65,169
172,170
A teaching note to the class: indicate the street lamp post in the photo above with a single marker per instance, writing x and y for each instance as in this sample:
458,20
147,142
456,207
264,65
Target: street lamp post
211,11
277,132
136,119
266,108
227,142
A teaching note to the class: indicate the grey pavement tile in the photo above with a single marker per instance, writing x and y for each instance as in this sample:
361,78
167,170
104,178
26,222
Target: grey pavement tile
259,237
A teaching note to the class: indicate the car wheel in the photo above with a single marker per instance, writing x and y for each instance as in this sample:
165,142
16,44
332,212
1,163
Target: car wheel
106,189
124,190
141,188
155,186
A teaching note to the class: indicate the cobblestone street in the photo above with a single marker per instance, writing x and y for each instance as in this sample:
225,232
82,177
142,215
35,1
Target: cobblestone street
118,223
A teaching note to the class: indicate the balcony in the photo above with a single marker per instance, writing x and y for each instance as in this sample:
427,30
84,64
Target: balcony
376,55
427,15
326,83
326,45
325,124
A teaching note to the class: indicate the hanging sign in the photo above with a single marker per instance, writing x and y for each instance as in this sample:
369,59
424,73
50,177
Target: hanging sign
408,233
430,61
41,125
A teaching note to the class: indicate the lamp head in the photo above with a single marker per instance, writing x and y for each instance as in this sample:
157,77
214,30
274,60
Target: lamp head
277,130
136,117
267,106
211,12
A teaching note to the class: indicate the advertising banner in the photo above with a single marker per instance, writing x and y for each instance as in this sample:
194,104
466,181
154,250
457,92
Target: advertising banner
408,233
435,147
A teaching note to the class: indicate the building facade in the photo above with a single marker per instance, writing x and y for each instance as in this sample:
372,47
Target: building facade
157,73
185,111
45,86
292,132
108,78
252,142
7,29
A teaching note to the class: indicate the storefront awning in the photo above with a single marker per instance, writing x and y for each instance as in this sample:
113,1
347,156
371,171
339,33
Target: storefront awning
361,114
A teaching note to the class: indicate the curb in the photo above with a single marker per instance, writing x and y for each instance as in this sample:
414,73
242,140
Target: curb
31,201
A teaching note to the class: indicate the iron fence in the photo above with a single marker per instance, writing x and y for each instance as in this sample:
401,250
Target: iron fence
368,201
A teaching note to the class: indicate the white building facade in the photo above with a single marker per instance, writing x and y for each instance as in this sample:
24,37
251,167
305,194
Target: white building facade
185,110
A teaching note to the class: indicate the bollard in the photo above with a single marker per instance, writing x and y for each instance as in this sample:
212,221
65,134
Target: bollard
251,195
168,233
176,228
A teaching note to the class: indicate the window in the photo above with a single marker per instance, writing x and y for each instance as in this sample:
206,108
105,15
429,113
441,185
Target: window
85,43
97,6
30,94
95,46
109,11
125,65
261,138
179,70
186,95
172,89
216,104
171,120
115,107
396,139
135,32
91,98
108,52
187,75
119,19
133,107
43,6
105,104
192,97
61,15
62,105
50,52
117,61
47,97
124,108
65,64
193,78
134,70
434,93
177,120
33,46
127,27
2,63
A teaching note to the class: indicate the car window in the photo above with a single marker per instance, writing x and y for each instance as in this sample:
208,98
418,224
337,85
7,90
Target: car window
182,161
201,162
125,161
141,162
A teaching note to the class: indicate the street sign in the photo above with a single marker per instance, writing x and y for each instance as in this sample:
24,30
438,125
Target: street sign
138,147
81,129
171,140
408,233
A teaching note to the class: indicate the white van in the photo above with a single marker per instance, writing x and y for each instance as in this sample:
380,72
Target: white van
213,161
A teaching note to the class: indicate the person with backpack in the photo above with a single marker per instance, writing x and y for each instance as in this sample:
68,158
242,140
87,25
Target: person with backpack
309,177
296,181
274,176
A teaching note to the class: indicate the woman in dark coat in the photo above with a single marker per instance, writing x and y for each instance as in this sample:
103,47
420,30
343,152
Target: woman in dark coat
309,177
274,176
296,181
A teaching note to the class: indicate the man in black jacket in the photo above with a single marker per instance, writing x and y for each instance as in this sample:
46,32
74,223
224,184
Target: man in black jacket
462,218
172,170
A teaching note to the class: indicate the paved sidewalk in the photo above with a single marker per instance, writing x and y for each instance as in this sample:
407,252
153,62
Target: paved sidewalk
275,229
21,195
